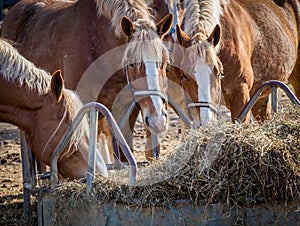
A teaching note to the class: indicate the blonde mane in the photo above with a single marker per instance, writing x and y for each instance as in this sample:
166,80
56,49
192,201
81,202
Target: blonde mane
202,16
145,43
114,10
15,68
145,46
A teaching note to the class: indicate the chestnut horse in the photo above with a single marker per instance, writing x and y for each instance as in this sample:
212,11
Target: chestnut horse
176,77
251,42
40,105
79,32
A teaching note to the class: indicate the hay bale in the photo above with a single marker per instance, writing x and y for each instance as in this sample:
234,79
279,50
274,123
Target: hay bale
238,164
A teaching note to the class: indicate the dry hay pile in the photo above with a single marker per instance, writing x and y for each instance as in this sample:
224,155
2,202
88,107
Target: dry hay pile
241,165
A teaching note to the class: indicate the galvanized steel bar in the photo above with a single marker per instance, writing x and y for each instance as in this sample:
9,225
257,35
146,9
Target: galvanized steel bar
271,83
29,173
181,114
274,98
154,142
116,132
92,149
127,114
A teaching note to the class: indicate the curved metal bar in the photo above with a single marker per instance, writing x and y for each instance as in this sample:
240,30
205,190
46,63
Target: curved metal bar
149,93
181,114
272,84
127,114
116,132
92,150
205,104
154,142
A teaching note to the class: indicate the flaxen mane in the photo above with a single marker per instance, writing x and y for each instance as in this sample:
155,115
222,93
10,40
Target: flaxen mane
145,46
145,43
15,68
114,10
200,19
201,16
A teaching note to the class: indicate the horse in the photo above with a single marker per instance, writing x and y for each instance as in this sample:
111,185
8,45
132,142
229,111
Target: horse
82,31
159,9
43,108
239,45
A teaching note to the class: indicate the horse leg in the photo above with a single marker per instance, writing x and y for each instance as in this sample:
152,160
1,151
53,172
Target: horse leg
149,148
105,140
236,100
262,109
295,77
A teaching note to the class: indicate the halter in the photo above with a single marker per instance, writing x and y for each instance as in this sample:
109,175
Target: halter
201,104
175,21
143,93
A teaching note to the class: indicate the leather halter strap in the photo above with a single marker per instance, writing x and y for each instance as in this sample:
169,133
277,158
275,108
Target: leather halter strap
143,93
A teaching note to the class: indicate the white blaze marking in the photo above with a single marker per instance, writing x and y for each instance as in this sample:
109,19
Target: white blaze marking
153,84
202,75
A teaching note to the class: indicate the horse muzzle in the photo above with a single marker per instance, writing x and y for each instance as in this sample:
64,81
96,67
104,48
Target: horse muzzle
157,125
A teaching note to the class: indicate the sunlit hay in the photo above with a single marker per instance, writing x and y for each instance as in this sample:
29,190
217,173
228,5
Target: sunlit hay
241,165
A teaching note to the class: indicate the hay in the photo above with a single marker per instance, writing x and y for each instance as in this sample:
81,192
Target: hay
241,165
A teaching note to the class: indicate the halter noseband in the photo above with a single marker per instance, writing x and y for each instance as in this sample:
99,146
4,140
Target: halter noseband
143,93
201,104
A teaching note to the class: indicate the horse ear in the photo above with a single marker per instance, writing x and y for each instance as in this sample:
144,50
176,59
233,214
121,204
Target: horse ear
57,85
183,39
165,24
127,26
215,36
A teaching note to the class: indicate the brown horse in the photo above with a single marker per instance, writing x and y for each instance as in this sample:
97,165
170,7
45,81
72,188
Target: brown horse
161,8
79,32
40,105
251,42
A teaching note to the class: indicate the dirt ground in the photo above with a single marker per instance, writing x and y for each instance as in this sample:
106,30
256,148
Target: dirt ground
11,190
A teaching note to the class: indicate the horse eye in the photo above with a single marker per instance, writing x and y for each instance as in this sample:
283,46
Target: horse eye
168,70
131,65
183,77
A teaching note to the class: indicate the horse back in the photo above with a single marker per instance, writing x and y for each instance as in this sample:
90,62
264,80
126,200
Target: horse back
26,12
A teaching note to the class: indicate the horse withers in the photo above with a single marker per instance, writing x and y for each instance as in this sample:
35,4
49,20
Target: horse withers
40,105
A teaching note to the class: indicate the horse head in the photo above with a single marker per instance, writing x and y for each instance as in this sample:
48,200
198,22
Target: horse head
145,60
201,72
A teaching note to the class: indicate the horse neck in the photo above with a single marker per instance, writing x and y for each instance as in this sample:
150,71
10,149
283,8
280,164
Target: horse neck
201,16
26,109
19,104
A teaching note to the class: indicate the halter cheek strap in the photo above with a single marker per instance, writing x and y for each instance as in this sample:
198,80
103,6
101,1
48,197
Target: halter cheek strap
143,93
201,104
175,21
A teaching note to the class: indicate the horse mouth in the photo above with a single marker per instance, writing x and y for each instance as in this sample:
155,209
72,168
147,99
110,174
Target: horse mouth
157,125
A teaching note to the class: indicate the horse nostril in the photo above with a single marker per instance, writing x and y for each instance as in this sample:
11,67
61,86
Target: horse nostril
165,115
147,121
